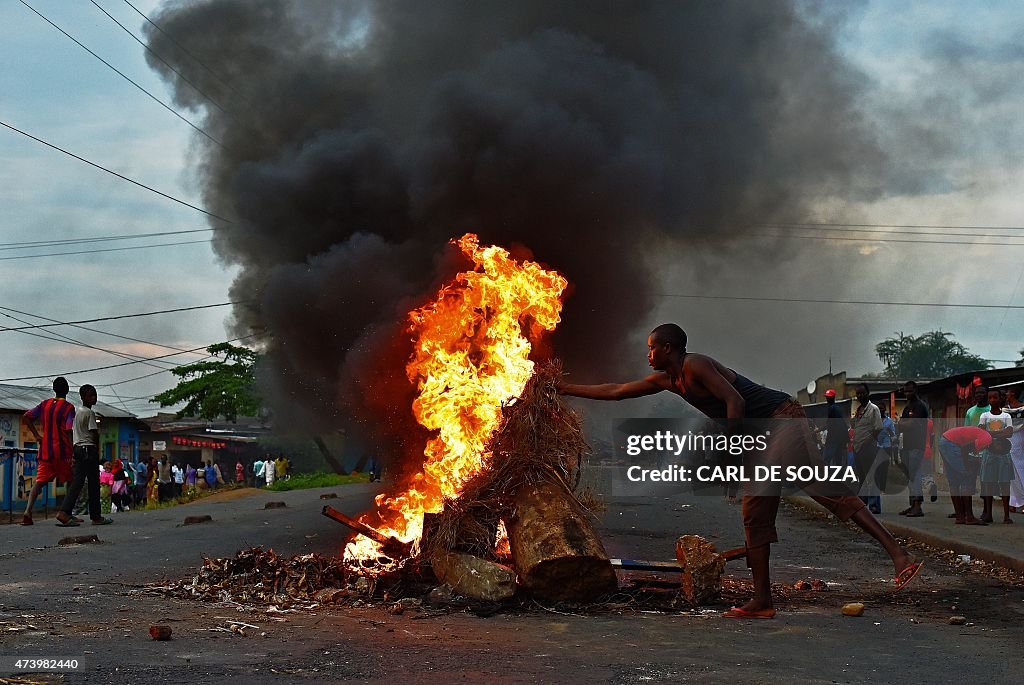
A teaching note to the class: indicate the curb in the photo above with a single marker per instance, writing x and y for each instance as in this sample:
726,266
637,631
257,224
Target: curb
899,530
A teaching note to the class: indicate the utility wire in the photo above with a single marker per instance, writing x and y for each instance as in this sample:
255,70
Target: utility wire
842,225
162,60
157,373
67,340
96,239
123,316
757,235
106,249
93,330
122,74
114,173
182,48
103,368
893,231
825,301
127,236
894,240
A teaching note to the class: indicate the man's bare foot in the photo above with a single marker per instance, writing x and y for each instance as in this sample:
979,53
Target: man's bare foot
901,561
1007,520
974,522
755,605
986,519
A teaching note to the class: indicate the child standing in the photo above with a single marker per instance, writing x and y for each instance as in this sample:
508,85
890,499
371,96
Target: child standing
996,469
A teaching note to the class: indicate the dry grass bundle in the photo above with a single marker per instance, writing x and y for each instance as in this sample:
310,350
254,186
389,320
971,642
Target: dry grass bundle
540,438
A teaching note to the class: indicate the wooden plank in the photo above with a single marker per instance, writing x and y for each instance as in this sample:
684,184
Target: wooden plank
642,565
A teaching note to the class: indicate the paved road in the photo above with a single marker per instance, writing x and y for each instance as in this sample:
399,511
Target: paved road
91,615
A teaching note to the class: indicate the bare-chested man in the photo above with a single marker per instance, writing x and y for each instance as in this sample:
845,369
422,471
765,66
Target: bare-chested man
721,393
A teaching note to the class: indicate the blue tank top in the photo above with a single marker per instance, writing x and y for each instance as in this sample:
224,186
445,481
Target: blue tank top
759,401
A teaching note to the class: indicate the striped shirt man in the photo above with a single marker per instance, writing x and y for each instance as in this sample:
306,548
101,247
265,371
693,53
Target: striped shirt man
56,416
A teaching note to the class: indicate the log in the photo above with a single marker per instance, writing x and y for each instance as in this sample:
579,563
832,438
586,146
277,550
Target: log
556,552
474,577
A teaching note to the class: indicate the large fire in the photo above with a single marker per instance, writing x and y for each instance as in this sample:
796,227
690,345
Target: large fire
471,354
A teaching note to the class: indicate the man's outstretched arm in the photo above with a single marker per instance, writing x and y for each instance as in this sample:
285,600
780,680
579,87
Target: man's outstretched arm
615,391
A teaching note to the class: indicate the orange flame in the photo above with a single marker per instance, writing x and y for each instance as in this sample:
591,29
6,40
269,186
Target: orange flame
471,355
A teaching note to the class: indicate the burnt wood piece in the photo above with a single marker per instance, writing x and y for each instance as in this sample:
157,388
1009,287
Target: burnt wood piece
555,550
392,547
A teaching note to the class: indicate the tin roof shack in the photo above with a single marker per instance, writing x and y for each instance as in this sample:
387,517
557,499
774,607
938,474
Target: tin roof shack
18,472
949,398
192,440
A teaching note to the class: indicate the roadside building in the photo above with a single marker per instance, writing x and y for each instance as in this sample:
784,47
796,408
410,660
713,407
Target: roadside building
118,436
198,441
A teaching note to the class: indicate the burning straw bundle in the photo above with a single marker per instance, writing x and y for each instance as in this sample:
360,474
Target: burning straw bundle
528,485
540,441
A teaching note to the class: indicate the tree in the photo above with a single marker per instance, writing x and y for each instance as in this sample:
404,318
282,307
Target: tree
934,354
223,387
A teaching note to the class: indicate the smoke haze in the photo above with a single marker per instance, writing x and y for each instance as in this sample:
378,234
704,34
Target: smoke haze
357,138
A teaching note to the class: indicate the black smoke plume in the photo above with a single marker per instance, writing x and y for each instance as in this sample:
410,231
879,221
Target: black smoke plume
358,137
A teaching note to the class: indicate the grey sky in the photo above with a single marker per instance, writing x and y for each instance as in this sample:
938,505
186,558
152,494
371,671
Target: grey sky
945,95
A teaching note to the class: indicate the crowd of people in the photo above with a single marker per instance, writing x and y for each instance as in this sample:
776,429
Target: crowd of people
68,439
981,452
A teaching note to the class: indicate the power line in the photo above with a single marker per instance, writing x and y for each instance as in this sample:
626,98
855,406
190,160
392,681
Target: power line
182,48
107,249
897,240
68,340
93,330
132,380
96,239
853,225
162,60
122,74
888,231
157,373
123,316
825,301
102,368
114,173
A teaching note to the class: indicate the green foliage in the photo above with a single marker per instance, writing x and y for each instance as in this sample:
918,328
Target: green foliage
304,481
222,387
934,354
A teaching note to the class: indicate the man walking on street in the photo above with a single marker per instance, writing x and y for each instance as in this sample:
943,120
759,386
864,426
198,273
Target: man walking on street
86,436
56,417
163,479
913,427
867,424
141,477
